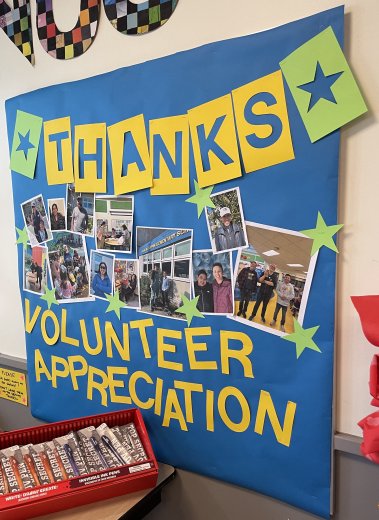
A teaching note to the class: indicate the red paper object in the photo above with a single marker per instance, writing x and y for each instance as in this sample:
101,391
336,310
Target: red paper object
374,380
368,310
370,444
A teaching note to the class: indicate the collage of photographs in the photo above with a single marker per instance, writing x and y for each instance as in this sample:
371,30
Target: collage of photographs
267,288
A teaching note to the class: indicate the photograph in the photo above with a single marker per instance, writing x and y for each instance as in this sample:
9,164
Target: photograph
69,267
212,282
126,282
273,278
36,221
226,224
165,267
114,223
102,274
80,208
57,214
35,269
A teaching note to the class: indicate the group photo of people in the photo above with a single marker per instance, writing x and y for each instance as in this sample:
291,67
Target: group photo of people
102,274
80,208
36,221
69,267
126,282
271,278
57,214
212,282
35,269
165,266
226,224
114,223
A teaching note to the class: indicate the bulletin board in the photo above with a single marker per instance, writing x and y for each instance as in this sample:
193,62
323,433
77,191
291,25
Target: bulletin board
123,186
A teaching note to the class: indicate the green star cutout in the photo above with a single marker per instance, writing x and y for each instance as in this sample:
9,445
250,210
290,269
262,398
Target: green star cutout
322,235
201,198
302,338
23,237
115,304
49,297
189,308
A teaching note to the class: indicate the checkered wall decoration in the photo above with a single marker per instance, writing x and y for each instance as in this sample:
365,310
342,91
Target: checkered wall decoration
130,18
67,45
17,25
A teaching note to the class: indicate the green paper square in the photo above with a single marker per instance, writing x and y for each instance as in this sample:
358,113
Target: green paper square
300,67
154,14
26,165
24,23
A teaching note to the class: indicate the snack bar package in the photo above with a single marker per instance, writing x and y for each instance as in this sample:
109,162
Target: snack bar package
124,438
65,454
102,450
55,462
3,484
113,445
41,463
137,444
12,476
94,458
77,454
28,460
26,475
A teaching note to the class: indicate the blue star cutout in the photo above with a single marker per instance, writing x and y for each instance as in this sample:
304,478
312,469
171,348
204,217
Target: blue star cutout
320,87
25,144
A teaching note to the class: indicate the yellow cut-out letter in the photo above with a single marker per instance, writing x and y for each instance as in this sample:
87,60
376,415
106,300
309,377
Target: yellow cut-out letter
169,150
173,410
163,347
262,123
58,151
193,347
114,383
188,388
266,407
245,419
30,321
145,405
130,155
75,372
40,366
90,160
241,355
214,141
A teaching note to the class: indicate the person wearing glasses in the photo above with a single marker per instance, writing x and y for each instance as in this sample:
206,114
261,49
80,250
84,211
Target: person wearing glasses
222,291
101,283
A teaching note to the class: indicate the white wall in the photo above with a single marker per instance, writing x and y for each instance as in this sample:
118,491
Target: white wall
196,22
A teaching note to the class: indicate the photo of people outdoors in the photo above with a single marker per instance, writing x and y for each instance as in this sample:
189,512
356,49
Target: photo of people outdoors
102,275
35,269
225,221
36,221
114,223
80,207
126,282
273,277
165,263
69,268
57,214
212,282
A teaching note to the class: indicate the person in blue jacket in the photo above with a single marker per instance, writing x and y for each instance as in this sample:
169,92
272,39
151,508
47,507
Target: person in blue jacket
101,282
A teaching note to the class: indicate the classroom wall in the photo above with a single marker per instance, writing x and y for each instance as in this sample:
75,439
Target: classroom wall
196,22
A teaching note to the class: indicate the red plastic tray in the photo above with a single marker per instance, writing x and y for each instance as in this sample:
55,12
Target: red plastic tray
82,490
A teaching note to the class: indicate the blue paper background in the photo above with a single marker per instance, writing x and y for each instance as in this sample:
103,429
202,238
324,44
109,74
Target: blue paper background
169,86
